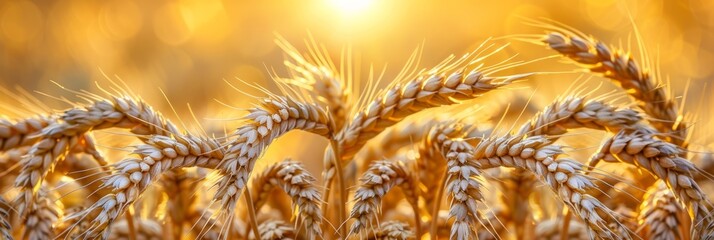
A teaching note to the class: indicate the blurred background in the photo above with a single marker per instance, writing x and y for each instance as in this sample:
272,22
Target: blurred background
190,48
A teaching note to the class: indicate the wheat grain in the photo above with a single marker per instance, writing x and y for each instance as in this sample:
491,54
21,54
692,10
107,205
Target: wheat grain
275,118
620,67
19,133
40,220
299,185
564,176
392,230
275,230
381,177
658,215
663,160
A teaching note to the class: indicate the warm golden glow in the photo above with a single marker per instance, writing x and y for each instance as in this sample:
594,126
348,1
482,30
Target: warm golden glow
351,6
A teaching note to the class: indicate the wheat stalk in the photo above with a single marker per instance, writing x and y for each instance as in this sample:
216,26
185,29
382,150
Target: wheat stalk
299,185
620,67
663,160
40,220
564,176
381,177
658,215
275,117
59,138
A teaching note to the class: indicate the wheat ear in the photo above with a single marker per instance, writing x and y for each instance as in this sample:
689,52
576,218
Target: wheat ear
5,227
577,112
662,159
132,176
275,230
392,230
462,186
391,141
180,186
274,118
19,133
59,138
146,229
299,185
658,215
40,220
381,177
565,176
620,67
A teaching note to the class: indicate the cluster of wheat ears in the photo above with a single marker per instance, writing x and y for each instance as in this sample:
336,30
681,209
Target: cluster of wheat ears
385,176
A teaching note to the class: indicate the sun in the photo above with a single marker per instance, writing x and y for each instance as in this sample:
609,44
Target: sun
351,6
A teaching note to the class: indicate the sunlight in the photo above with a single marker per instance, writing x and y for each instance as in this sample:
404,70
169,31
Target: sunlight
351,6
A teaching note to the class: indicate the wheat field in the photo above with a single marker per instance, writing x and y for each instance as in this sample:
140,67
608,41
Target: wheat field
553,129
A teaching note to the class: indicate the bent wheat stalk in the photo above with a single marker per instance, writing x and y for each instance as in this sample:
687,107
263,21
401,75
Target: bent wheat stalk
274,118
381,177
565,176
620,67
299,184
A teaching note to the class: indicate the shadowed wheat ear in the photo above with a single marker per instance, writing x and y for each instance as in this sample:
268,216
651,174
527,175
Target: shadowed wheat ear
133,175
565,176
381,177
550,229
299,184
60,137
39,223
264,124
146,229
391,141
5,227
620,67
662,159
19,133
275,230
391,230
180,187
658,215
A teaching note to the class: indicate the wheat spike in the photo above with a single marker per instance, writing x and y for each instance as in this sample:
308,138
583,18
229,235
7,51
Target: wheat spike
299,185
564,176
275,117
662,159
577,112
658,215
61,137
40,220
381,177
462,187
146,229
132,176
620,67
275,230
